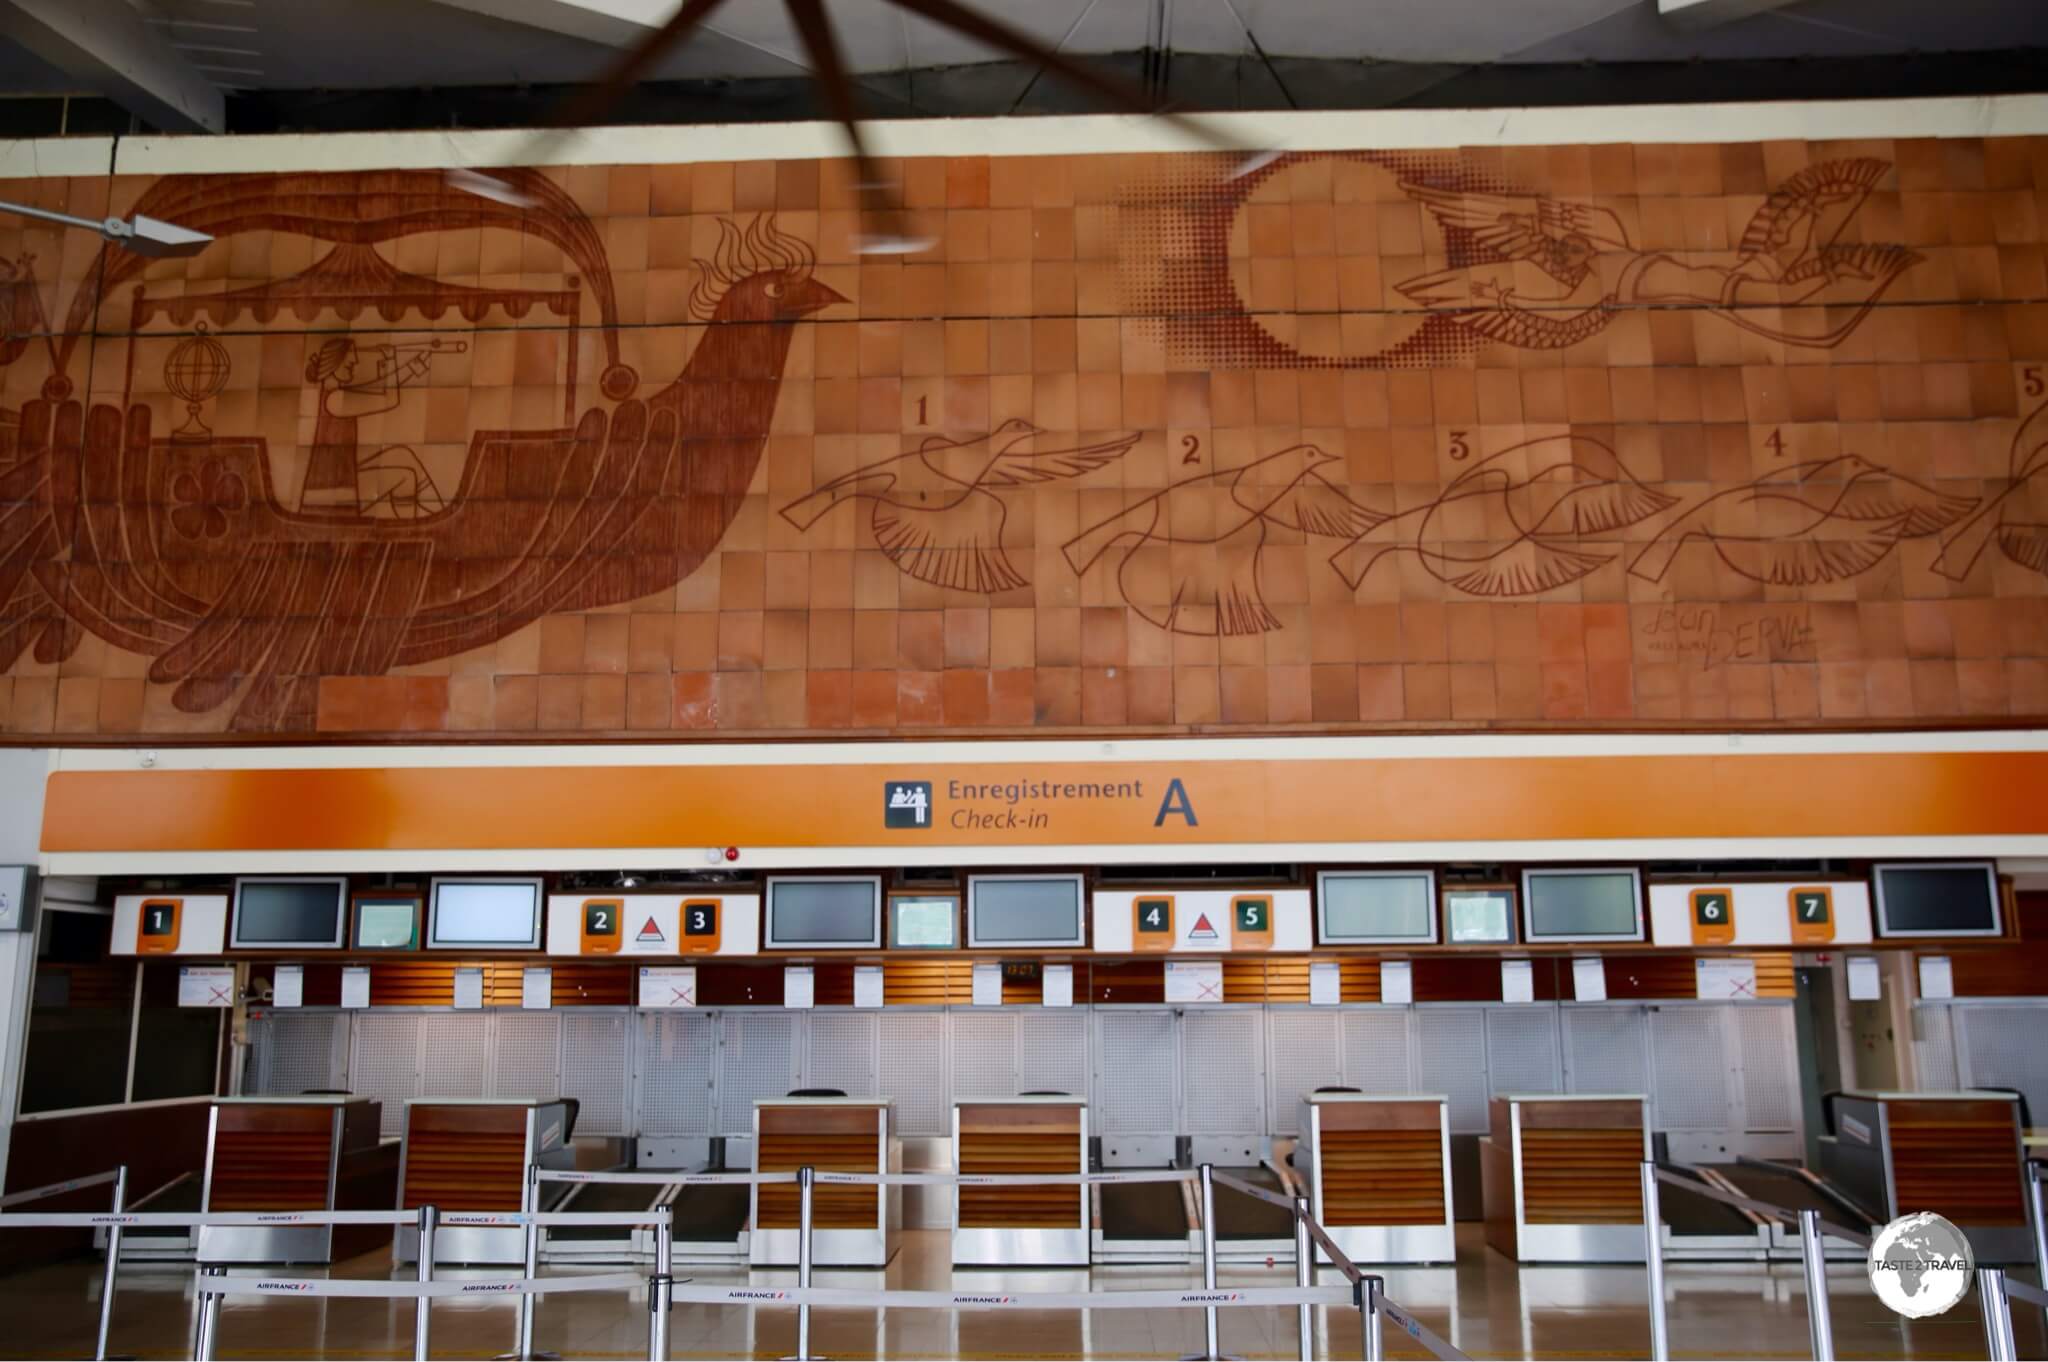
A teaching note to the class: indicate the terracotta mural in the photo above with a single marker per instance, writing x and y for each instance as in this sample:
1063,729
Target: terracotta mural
1611,435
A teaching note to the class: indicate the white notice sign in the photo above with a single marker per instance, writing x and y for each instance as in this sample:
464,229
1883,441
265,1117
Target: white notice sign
668,986
1397,982
1325,983
288,986
1589,979
206,986
1058,986
1194,981
1937,979
537,987
1517,981
867,985
469,988
799,988
988,984
1863,979
355,985
1725,980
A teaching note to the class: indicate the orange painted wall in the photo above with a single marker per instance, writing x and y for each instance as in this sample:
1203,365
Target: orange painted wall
1733,434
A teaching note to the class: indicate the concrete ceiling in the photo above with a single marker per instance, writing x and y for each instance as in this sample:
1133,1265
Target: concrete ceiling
272,45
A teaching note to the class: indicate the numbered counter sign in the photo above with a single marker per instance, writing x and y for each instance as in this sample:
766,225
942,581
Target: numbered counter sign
1813,914
1251,922
601,926
700,927
1152,922
157,931
1713,917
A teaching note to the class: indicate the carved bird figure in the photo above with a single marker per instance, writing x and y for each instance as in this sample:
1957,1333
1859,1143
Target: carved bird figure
1214,529
1809,523
935,509
1527,532
2023,542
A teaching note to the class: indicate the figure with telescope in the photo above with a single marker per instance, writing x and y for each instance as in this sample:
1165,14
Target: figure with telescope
390,482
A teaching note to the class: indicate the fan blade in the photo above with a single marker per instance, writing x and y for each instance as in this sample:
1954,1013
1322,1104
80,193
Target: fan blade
821,44
594,103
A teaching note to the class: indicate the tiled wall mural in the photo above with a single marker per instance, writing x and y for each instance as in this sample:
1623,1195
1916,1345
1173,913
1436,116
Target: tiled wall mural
1494,437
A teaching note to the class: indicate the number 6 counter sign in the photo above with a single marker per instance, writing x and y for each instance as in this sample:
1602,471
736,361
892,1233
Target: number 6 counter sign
654,924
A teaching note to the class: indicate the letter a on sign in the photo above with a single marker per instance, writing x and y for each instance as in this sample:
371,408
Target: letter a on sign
1176,802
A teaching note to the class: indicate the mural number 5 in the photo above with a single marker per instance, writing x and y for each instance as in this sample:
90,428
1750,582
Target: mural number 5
1192,447
1460,451
2032,382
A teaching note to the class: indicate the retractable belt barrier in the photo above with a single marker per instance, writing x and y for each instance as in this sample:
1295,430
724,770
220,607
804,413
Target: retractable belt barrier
394,1290
59,1188
1996,1291
119,1178
835,1297
1007,1179
661,1179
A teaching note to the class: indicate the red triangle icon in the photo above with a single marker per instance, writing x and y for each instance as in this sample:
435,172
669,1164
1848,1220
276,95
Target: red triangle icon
1202,931
650,932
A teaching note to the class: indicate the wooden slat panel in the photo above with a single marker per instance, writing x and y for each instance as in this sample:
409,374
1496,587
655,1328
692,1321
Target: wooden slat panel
270,1170
1127,981
463,1170
926,982
1584,1176
2011,971
1037,1149
592,983
1958,1159
832,1208
1382,1177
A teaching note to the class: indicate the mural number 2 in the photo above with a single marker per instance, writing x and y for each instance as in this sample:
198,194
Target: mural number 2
1191,445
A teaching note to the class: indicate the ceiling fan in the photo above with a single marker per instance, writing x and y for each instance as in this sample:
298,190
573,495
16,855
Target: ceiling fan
835,85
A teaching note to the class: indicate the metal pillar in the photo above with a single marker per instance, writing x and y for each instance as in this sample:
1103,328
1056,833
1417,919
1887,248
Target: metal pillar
1813,1257
1996,1308
658,1303
1369,1318
208,1325
1304,1275
1653,1257
523,1347
422,1319
2037,1211
107,1280
803,1261
1210,1349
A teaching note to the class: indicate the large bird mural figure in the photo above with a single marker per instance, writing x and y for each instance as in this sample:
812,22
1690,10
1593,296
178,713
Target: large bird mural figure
1213,531
183,550
1494,533
2024,542
1807,524
936,510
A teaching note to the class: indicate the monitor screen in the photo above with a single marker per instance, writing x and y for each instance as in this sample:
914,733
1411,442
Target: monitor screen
503,914
1582,905
1376,905
1025,910
924,923
289,912
387,924
824,913
1937,900
1476,915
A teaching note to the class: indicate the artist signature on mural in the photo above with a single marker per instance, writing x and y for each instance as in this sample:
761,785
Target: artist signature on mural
1707,635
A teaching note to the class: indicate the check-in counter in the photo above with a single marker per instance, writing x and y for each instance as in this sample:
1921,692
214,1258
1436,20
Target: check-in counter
1021,1226
313,1153
1958,1154
1561,1177
1379,1175
851,1226
471,1154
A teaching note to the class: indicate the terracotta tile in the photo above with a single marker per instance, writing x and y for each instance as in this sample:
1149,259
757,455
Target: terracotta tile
1242,695
1012,697
1888,689
1057,696
920,699
784,639
920,639
1103,698
784,702
1289,698
603,704
1935,689
1472,692
561,644
1425,692
740,639
966,638
1566,690
515,703
1610,688
965,697
738,703
1561,630
1103,637
1196,693
1012,638
561,703
1333,693
604,643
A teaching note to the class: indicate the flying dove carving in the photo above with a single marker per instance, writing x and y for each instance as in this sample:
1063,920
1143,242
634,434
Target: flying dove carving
1808,523
2022,542
1214,529
935,511
1527,533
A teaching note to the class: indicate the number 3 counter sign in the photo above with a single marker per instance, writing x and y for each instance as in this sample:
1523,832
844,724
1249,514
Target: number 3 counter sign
653,924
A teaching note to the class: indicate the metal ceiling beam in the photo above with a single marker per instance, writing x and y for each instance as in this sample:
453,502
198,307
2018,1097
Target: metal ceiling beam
1695,15
614,23
107,46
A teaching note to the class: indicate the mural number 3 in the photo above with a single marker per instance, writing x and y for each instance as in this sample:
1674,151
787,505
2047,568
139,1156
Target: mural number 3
1460,450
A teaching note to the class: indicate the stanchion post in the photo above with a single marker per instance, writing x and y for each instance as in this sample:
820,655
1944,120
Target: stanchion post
422,1319
1210,1348
1653,1258
2037,1211
1368,1289
209,1314
107,1279
1304,1275
658,1288
1996,1308
523,1347
1814,1258
803,1261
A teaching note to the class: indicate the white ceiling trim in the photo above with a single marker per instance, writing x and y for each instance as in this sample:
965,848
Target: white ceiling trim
1997,116
107,46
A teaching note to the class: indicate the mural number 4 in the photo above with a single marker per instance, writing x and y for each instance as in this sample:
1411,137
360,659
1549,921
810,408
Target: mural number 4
1776,441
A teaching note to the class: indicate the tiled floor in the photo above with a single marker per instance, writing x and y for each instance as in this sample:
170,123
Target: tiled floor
1486,1306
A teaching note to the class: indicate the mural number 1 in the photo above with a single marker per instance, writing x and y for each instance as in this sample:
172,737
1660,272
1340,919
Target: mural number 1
920,409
